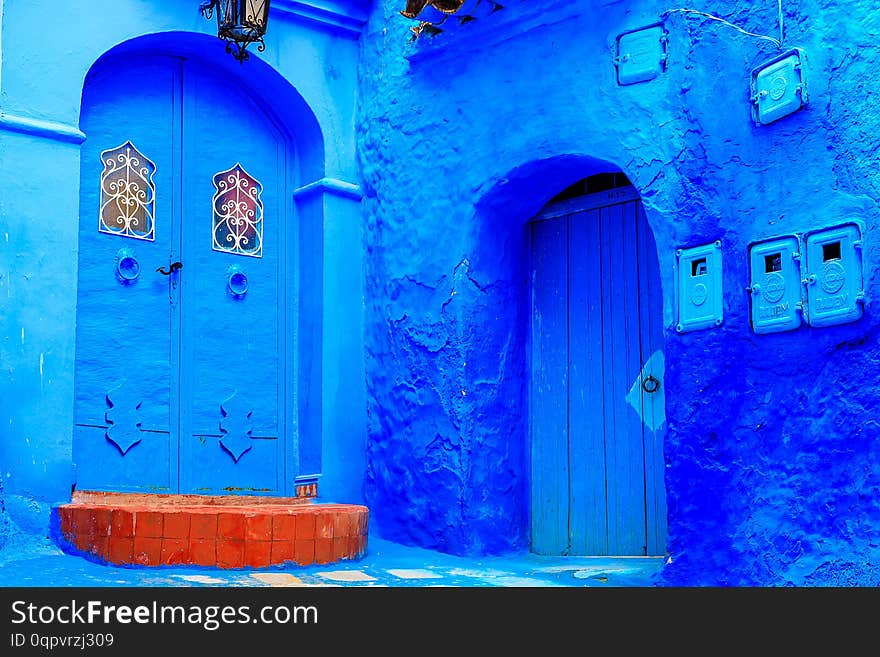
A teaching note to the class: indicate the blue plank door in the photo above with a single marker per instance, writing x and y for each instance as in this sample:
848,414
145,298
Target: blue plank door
179,367
596,354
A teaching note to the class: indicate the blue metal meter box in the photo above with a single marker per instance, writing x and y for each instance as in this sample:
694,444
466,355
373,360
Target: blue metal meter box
775,285
834,275
778,87
641,55
699,290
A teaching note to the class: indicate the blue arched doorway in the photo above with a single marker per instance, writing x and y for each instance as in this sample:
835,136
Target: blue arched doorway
189,266
597,409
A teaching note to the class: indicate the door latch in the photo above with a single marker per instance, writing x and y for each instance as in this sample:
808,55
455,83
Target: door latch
173,267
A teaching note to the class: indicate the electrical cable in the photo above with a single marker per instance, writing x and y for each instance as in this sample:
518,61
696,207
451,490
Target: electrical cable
776,42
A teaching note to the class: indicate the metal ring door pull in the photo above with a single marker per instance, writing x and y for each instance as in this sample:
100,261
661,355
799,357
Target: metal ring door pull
237,283
127,266
650,384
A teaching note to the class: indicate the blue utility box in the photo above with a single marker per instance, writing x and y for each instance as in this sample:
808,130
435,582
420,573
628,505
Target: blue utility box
641,54
779,87
775,285
834,275
698,287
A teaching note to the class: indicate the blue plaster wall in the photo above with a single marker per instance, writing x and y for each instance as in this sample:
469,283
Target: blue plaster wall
773,443
46,50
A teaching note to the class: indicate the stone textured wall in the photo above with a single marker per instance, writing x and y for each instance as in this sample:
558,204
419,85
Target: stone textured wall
773,442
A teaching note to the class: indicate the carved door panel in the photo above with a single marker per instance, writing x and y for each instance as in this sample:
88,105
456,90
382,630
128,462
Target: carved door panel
125,434
180,302
232,305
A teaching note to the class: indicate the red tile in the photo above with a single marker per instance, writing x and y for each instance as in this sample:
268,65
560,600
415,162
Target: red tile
147,550
230,526
121,523
230,554
324,525
176,525
203,552
257,553
203,525
65,516
363,521
175,551
258,527
100,546
351,549
99,523
283,527
81,520
340,548
121,549
304,551
341,524
281,551
305,526
148,524
323,550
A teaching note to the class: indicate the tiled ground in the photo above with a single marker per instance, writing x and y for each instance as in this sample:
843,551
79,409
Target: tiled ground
385,564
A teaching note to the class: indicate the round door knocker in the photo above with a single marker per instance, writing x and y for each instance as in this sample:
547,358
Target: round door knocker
236,282
127,266
650,384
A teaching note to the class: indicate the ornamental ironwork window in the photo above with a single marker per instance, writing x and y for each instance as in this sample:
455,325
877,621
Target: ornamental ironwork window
238,213
128,195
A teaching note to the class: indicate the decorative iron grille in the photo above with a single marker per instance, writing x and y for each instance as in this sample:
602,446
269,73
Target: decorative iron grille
238,213
128,194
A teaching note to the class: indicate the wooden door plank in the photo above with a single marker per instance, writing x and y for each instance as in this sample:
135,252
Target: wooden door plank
654,428
588,525
634,472
624,455
549,388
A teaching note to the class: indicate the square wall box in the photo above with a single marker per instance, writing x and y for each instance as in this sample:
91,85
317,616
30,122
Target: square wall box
698,287
641,54
775,285
835,291
779,87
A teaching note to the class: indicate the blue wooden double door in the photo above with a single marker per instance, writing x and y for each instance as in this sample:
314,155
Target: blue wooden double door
180,340
596,386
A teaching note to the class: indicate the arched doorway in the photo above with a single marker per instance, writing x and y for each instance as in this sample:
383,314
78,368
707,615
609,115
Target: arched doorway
596,388
184,370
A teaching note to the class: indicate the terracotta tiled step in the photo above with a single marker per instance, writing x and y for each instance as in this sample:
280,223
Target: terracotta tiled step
144,530
158,499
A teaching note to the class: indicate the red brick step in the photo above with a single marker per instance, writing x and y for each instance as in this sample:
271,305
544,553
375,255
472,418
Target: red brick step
221,531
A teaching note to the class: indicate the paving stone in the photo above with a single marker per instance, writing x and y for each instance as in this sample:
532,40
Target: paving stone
414,573
347,576
278,579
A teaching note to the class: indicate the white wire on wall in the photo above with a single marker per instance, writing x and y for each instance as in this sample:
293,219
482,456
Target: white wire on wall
703,14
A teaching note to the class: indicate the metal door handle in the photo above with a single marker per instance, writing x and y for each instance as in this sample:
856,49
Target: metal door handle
173,267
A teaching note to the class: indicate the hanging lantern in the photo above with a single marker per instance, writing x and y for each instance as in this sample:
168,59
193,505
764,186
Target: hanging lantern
240,23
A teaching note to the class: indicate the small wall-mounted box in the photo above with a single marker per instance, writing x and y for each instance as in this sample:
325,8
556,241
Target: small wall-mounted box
835,292
641,54
698,286
775,286
779,87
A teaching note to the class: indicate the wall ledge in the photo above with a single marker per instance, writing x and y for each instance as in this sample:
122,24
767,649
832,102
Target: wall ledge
330,186
41,128
345,17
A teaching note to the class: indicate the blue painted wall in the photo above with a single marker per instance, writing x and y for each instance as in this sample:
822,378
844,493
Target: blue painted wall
308,75
773,443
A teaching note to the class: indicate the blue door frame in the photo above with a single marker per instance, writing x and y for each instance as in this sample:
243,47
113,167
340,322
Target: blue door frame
596,410
180,369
